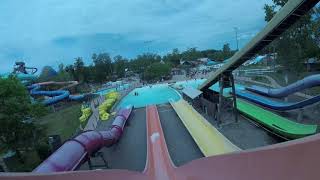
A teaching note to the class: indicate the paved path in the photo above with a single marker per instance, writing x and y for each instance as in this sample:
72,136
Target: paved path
94,118
131,150
93,121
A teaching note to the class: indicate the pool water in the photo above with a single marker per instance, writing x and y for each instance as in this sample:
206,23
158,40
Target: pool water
161,93
156,94
195,83
120,88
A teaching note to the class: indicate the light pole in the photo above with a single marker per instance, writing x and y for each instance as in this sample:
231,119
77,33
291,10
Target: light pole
237,41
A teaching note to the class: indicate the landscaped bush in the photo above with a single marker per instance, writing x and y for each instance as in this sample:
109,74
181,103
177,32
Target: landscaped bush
86,113
106,106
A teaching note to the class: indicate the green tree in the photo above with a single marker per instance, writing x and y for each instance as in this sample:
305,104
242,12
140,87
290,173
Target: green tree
103,67
191,54
298,43
120,65
173,57
143,61
156,71
79,69
17,129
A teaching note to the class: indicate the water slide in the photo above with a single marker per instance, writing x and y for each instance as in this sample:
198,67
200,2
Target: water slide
278,124
307,82
76,151
296,159
276,105
209,139
159,165
56,95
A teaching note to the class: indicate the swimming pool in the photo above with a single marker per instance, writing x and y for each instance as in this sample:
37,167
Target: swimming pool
161,93
120,88
156,94
195,83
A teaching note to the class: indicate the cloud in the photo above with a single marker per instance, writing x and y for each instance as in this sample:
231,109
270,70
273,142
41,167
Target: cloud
47,32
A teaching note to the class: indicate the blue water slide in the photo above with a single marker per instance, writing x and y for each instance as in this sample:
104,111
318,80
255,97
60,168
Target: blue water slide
276,105
57,95
76,97
308,82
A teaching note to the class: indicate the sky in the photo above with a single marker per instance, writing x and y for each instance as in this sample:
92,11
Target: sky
50,32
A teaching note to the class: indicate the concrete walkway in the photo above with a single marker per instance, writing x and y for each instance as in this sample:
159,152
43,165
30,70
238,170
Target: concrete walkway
94,118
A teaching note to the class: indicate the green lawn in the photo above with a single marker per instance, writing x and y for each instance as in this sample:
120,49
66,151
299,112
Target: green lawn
31,161
64,122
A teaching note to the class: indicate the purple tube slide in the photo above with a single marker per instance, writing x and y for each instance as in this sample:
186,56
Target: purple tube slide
74,152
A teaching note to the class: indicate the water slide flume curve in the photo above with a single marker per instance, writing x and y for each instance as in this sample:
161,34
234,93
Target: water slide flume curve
76,151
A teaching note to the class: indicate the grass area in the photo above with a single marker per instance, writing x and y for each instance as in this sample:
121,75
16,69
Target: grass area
64,122
31,161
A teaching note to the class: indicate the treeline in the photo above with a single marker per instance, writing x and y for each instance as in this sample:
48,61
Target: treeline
299,43
150,67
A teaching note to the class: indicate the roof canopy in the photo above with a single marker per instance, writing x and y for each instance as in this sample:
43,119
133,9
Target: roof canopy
191,92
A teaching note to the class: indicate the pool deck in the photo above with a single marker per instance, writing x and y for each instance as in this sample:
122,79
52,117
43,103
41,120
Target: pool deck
130,152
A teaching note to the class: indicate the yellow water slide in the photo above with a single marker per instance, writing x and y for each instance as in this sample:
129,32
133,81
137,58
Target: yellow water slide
208,138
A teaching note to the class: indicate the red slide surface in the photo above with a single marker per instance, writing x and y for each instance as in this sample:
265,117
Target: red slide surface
159,165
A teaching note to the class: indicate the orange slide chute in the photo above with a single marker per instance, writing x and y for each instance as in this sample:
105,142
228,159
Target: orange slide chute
159,165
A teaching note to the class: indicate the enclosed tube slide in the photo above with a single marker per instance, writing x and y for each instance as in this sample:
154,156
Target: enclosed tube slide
56,95
276,105
76,151
308,82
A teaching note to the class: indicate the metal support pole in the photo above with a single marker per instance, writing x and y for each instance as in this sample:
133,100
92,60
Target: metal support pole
221,84
235,110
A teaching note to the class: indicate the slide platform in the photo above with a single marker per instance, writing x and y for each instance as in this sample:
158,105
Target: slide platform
209,139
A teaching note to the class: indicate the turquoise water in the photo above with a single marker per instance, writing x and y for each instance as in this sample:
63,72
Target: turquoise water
157,94
161,93
195,83
105,91
120,88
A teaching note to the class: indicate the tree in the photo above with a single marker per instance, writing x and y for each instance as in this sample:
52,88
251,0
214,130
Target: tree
226,51
156,71
298,43
191,54
17,129
79,69
119,65
143,61
103,67
173,57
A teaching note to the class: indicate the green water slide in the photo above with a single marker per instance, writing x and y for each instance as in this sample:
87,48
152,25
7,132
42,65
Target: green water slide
278,124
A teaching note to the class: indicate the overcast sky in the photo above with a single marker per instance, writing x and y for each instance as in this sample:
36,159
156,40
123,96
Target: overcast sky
48,32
